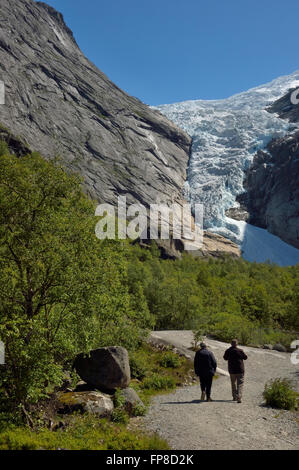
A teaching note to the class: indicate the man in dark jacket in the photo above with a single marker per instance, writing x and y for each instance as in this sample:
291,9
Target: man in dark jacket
205,366
235,358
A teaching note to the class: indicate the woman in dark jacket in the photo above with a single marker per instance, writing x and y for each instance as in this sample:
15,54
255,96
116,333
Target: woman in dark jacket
205,366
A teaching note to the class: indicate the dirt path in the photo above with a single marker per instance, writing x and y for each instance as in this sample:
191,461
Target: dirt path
187,423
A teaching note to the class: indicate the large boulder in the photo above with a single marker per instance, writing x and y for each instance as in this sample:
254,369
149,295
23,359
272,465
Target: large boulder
96,403
104,368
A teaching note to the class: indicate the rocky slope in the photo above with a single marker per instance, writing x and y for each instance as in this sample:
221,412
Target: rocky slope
272,193
272,197
62,104
58,102
285,108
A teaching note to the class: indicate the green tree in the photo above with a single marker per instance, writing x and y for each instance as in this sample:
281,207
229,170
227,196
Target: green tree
61,290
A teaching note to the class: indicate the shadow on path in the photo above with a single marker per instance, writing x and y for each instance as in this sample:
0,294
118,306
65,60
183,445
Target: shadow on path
194,401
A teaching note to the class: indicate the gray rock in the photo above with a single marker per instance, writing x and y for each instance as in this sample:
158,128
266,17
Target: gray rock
279,347
105,368
131,400
83,387
96,403
285,108
267,346
61,103
272,191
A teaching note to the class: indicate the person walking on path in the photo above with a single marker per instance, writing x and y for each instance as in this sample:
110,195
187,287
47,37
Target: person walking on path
205,366
236,357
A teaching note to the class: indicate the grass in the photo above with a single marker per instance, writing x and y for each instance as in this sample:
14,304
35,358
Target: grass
153,372
82,433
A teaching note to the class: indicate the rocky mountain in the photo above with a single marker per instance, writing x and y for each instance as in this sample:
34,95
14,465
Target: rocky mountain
243,167
272,191
285,108
60,103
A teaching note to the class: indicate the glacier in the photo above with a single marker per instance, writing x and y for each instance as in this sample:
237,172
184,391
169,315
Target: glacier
226,134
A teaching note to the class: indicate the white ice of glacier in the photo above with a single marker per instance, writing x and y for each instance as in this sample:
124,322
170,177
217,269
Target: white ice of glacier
226,134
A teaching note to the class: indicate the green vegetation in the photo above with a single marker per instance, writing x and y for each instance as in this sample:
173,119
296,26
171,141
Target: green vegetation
83,433
161,374
278,393
158,382
87,432
225,298
170,359
63,291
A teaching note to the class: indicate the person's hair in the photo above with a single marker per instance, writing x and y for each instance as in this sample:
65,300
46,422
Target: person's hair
234,342
203,345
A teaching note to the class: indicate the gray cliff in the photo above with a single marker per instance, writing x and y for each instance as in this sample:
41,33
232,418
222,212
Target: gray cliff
272,182
60,103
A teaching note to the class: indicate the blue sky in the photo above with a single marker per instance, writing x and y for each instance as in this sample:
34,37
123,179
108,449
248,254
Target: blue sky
163,51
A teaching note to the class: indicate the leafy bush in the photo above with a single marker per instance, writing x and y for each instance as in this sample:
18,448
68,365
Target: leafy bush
118,398
158,382
278,393
169,359
3,148
226,327
119,415
260,301
139,410
138,365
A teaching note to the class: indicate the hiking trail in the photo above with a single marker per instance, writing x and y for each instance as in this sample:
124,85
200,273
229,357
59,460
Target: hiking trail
187,423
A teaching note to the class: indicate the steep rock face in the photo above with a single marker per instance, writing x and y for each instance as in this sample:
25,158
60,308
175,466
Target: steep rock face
272,197
60,103
285,108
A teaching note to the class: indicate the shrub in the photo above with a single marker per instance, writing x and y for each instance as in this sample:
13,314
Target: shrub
278,393
158,382
3,148
119,399
169,359
119,415
139,410
227,326
138,366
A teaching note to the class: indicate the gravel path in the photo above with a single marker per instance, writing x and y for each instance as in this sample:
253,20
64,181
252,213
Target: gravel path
187,423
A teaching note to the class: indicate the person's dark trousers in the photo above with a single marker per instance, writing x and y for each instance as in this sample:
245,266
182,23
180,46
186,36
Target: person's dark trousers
206,384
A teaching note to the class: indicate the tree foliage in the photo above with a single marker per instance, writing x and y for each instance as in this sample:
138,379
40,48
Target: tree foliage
62,291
